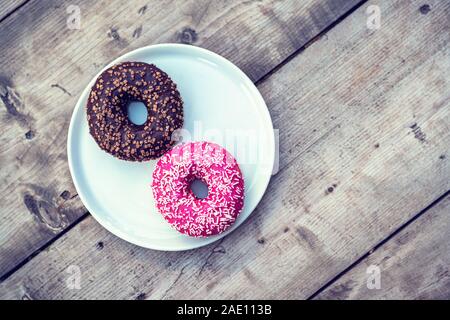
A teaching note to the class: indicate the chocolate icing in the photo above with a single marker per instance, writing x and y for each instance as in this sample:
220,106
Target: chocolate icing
107,115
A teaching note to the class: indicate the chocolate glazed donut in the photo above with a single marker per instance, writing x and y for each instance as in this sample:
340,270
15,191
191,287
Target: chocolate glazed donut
107,115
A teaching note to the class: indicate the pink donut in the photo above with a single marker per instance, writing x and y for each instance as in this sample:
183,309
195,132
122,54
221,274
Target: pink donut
218,169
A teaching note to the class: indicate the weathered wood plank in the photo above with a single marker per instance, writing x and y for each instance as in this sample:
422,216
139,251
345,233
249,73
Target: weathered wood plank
45,66
8,6
364,130
413,265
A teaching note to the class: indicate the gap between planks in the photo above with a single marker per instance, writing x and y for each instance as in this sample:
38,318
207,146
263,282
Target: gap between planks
43,247
13,10
379,245
418,208
257,82
288,30
310,42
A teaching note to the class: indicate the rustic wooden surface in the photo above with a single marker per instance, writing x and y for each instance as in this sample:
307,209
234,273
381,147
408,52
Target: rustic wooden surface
413,265
364,123
8,6
52,64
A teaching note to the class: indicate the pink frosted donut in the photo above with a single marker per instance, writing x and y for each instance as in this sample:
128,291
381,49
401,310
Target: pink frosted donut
218,169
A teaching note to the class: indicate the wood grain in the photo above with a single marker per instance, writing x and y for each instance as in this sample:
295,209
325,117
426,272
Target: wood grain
8,6
45,66
364,123
413,265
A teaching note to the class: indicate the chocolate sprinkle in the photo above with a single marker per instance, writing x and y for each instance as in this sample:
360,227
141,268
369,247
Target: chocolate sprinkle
107,115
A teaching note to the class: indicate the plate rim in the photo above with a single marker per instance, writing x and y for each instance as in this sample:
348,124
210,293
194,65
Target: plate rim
182,47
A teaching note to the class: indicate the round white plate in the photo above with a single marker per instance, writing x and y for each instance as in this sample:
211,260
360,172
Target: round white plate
221,104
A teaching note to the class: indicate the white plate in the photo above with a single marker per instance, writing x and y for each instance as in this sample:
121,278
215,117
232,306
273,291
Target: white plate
221,104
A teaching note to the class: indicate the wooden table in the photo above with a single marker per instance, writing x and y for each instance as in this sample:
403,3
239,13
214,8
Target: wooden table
363,110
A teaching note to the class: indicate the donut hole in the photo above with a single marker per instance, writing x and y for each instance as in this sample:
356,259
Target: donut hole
199,188
137,112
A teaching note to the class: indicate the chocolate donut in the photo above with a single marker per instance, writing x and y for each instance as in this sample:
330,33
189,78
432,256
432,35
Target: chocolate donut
107,115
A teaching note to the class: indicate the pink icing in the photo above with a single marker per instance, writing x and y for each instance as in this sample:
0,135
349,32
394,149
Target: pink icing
175,200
